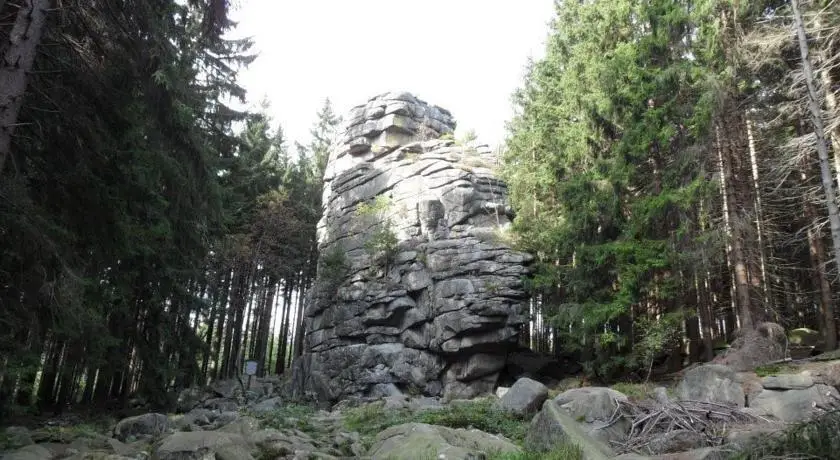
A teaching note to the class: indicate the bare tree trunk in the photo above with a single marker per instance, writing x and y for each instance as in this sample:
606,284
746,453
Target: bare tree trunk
15,64
819,132
735,233
759,216
826,316
826,62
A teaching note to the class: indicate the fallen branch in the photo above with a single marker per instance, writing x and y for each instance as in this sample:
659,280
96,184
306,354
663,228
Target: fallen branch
651,420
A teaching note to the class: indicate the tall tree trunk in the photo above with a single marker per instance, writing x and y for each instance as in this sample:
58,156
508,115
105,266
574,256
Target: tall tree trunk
224,302
819,132
736,240
299,323
759,216
46,389
265,326
280,364
15,64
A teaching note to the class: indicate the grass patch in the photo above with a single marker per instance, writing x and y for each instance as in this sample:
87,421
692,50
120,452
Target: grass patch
373,418
634,390
66,434
480,414
289,416
563,451
815,439
774,369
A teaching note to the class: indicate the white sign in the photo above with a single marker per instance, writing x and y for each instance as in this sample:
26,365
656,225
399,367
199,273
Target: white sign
250,367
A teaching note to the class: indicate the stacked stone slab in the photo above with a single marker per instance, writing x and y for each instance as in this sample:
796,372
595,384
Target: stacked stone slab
417,290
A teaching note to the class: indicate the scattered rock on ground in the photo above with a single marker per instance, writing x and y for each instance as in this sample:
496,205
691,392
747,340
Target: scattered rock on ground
30,452
191,398
17,437
198,445
525,397
419,440
267,405
150,425
711,383
221,404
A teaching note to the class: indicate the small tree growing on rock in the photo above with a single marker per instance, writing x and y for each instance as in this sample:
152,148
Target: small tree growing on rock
382,243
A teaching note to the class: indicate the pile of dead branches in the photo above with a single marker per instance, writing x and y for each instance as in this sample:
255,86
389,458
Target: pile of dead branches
654,420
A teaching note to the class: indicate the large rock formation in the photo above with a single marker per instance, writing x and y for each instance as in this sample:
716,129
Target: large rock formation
416,289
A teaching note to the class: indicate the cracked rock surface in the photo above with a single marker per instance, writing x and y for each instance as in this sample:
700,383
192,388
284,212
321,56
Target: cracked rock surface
417,289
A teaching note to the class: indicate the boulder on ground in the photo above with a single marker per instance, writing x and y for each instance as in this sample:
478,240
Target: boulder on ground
787,382
678,441
199,445
142,426
194,420
795,405
221,404
190,398
419,440
17,437
595,409
553,426
706,453
765,344
805,337
267,406
30,452
279,443
711,383
525,397
230,388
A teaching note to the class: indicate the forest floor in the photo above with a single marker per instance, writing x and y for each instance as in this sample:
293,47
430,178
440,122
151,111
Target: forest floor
274,429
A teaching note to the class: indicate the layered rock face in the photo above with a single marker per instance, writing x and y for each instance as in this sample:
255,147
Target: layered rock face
417,290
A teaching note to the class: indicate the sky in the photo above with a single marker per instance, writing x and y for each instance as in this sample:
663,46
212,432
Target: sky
467,56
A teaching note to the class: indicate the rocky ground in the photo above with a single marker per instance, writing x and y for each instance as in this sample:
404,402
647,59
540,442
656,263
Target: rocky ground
712,412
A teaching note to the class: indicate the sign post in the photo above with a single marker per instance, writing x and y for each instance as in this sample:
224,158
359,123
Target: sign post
250,371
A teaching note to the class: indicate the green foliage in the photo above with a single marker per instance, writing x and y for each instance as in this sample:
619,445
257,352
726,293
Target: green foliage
606,178
774,369
377,207
334,264
382,243
657,336
288,416
492,287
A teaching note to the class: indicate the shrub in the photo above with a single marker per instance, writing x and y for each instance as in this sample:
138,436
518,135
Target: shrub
333,265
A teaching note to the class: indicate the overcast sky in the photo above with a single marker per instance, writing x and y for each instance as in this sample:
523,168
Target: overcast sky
467,56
